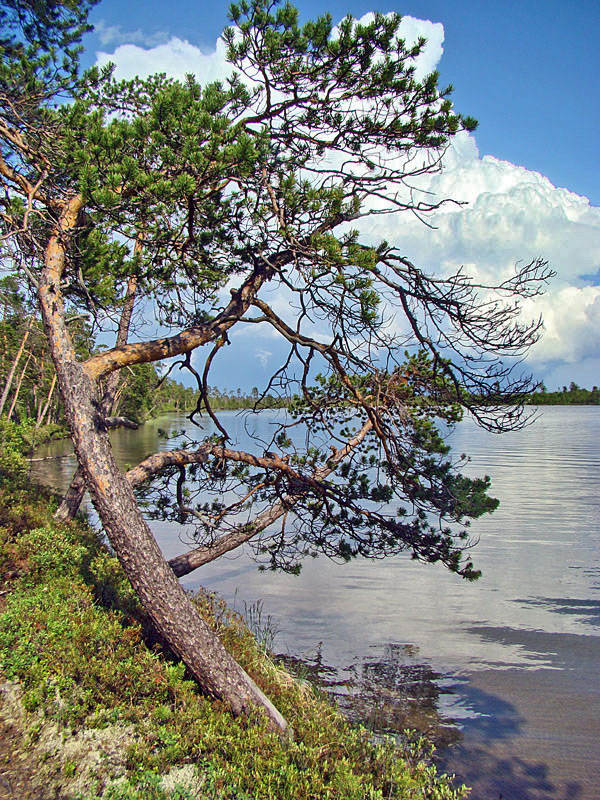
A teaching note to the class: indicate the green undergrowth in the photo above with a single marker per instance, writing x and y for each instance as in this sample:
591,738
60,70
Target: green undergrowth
18,439
74,640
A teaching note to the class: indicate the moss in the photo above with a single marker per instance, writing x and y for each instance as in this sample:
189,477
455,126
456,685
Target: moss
74,638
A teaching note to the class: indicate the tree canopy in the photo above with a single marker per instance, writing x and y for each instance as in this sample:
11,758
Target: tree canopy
238,204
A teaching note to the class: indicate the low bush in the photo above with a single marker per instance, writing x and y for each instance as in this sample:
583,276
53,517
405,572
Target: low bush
73,636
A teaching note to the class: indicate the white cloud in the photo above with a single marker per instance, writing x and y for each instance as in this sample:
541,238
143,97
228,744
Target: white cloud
115,35
176,58
411,29
511,214
263,357
572,323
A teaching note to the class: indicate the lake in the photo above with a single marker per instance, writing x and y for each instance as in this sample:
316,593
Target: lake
505,672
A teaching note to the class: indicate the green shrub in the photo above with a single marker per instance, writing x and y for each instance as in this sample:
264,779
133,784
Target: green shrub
70,633
15,442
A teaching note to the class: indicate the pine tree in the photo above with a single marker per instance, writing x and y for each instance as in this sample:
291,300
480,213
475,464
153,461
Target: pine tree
257,182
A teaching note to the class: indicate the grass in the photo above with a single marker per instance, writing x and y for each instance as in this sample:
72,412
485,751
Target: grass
87,663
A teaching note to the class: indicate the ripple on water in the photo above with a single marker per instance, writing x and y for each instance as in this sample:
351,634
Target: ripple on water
515,657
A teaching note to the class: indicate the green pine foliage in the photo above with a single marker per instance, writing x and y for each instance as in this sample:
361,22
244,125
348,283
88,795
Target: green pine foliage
15,441
255,182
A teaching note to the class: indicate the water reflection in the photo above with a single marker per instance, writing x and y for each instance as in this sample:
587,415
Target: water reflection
587,611
532,734
518,652
388,693
510,777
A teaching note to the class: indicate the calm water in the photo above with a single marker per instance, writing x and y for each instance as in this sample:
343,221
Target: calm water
513,659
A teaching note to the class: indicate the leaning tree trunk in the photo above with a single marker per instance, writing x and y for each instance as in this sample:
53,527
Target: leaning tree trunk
18,388
75,493
157,588
14,365
43,411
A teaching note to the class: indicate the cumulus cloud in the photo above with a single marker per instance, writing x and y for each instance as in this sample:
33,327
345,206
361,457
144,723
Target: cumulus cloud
508,214
176,58
512,215
115,35
572,326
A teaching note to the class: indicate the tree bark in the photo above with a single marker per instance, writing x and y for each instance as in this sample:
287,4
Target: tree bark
159,591
74,495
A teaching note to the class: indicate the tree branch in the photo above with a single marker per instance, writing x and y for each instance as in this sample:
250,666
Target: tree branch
190,561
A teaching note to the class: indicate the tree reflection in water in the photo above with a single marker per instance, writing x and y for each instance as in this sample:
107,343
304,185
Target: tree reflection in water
388,694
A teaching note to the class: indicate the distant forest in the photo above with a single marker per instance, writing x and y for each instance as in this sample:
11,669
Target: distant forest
28,388
573,395
28,381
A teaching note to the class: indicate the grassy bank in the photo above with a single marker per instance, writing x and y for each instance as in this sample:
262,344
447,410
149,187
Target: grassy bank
93,705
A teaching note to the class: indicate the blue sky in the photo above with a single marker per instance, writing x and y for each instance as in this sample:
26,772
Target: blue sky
528,72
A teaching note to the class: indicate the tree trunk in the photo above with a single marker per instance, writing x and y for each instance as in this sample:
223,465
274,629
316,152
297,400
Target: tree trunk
18,389
173,613
44,411
13,368
75,493
73,497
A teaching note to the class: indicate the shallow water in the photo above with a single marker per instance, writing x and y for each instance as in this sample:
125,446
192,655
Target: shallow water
514,659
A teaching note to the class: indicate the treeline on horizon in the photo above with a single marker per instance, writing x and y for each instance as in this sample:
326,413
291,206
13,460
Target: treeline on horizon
573,395
28,380
28,389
